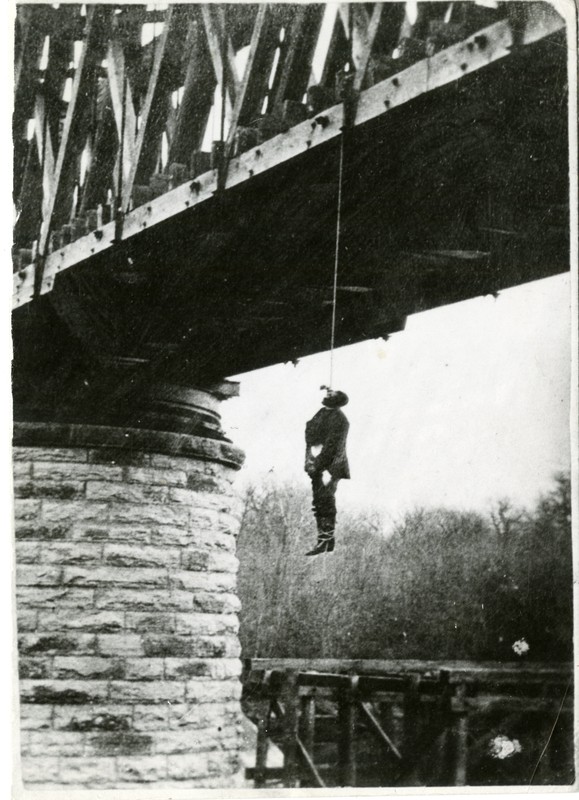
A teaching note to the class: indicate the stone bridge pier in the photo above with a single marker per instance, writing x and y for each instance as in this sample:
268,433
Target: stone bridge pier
128,653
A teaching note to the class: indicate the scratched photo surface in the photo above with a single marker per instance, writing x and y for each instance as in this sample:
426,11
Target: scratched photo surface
292,313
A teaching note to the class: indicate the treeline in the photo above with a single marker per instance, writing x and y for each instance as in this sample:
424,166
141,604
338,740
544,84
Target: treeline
440,584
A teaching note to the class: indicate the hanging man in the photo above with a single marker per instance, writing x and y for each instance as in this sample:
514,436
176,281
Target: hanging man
326,463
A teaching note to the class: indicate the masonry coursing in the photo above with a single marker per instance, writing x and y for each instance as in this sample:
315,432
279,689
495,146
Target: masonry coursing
127,619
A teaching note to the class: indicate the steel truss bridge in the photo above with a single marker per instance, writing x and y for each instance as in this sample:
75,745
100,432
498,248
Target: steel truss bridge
176,180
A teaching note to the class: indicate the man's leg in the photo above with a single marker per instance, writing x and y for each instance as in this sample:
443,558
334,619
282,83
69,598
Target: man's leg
324,506
326,501
316,480
328,513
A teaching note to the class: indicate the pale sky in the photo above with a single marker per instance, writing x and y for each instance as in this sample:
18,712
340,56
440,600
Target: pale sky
468,404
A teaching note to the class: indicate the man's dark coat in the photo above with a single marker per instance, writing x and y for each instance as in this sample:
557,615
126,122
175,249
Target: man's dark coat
329,428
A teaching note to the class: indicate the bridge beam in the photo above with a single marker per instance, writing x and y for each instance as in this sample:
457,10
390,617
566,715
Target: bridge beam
487,46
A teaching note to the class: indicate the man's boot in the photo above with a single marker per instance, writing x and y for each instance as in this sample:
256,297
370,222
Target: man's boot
329,527
324,543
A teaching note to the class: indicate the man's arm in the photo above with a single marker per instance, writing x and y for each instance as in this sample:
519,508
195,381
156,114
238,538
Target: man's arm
335,442
312,439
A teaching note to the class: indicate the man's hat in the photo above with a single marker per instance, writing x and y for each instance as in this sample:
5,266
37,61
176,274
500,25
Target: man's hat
335,399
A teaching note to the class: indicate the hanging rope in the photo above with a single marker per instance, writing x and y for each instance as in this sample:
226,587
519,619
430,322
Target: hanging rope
336,259
347,101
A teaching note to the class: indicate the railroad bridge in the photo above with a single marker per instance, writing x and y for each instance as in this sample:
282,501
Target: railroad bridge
178,175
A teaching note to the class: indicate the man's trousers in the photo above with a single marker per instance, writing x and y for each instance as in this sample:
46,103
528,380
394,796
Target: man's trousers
324,502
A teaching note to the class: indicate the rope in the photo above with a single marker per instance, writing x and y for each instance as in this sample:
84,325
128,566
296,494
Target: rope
336,259
339,209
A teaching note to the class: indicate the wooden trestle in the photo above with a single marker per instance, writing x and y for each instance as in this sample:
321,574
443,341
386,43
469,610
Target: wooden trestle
426,724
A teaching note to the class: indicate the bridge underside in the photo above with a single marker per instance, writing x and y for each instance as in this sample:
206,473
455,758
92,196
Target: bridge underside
461,191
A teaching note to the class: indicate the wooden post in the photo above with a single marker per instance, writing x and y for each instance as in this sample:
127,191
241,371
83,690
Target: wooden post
441,753
308,722
411,718
347,735
413,729
395,716
460,736
290,748
261,750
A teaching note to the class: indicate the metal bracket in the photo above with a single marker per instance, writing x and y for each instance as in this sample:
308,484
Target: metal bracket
349,97
39,262
119,226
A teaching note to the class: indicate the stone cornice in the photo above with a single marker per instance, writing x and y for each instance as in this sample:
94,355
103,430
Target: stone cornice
43,434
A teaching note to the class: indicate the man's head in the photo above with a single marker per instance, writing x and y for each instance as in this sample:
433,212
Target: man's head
335,399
